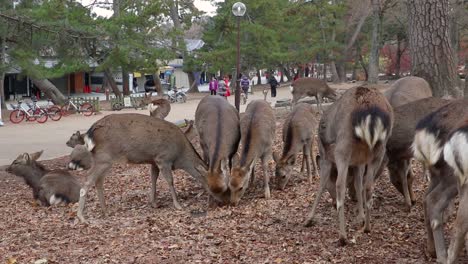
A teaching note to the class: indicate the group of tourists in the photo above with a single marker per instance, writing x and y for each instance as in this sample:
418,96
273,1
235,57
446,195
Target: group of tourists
220,86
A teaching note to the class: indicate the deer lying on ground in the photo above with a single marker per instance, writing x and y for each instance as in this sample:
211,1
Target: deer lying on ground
139,139
76,139
159,108
399,152
309,86
257,134
432,132
80,158
49,187
353,133
406,90
298,134
456,156
217,123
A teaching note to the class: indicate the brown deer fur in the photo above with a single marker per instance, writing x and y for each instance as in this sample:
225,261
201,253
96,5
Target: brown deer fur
80,158
407,89
139,139
217,124
49,187
432,132
353,132
309,86
76,139
159,108
298,135
257,135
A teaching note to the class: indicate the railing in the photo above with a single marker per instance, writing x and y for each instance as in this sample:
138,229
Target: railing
94,101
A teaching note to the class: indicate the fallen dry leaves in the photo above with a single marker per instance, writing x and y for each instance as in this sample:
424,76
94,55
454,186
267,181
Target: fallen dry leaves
256,231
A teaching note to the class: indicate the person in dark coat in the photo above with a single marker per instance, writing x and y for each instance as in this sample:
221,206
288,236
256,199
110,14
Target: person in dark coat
273,84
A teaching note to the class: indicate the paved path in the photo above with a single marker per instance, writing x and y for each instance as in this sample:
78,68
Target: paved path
51,136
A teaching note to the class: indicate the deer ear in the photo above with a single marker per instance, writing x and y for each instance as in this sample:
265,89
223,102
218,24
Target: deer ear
34,156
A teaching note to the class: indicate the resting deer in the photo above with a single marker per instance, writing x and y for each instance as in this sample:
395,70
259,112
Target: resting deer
217,124
298,134
257,134
80,158
432,132
398,150
159,108
139,139
406,90
309,86
353,133
76,139
49,187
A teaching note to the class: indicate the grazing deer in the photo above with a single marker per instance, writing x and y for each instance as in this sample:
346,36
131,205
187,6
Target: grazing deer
217,124
399,152
80,158
190,131
159,108
49,187
353,133
139,139
309,86
298,134
456,156
257,134
406,90
432,132
76,139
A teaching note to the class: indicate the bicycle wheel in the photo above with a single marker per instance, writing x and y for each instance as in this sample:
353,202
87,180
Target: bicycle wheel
30,116
42,115
181,98
87,109
17,116
54,113
68,110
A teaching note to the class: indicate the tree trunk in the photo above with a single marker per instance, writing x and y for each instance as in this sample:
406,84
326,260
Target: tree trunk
341,69
363,65
282,75
399,53
259,81
465,92
50,90
193,83
158,85
2,73
287,73
112,83
432,56
125,82
375,43
334,72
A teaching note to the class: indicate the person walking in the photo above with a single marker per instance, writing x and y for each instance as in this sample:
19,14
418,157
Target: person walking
245,83
213,86
222,91
226,85
273,84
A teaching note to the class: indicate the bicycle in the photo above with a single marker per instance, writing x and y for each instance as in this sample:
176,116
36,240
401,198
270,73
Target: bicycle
176,95
34,113
71,108
54,112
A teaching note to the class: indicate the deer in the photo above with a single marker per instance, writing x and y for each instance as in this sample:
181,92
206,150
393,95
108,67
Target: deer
80,158
217,124
139,139
257,127
353,133
159,108
398,149
406,90
309,86
298,134
190,131
76,139
50,187
435,146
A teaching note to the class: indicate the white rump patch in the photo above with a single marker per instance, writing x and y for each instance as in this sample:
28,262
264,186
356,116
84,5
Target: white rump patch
457,146
89,144
73,166
426,147
291,88
152,107
54,200
363,132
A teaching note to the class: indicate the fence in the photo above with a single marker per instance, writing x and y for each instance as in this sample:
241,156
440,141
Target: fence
94,101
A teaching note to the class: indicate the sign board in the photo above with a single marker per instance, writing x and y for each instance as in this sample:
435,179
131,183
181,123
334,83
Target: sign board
127,102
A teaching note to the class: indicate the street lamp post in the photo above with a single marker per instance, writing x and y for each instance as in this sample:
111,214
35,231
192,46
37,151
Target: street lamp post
238,9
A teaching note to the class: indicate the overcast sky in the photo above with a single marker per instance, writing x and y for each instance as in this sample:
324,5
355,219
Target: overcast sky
203,5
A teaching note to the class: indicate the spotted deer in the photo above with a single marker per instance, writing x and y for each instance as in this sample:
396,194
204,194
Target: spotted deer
139,139
353,133
309,86
50,187
257,134
432,132
298,135
217,124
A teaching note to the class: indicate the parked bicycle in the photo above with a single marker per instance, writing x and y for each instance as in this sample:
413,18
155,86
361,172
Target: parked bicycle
176,95
71,108
53,112
34,113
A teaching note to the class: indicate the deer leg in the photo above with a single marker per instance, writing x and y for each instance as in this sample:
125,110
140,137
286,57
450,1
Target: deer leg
436,202
358,186
410,185
100,193
154,171
461,227
266,176
369,187
303,162
308,161
99,168
342,166
404,184
314,163
325,172
167,174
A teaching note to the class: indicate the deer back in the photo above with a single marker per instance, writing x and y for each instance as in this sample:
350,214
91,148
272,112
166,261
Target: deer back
298,128
309,86
407,89
60,186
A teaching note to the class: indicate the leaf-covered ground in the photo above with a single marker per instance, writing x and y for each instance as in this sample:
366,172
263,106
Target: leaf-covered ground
256,231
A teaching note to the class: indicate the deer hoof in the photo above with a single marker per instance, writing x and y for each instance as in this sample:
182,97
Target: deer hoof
310,222
342,242
177,206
